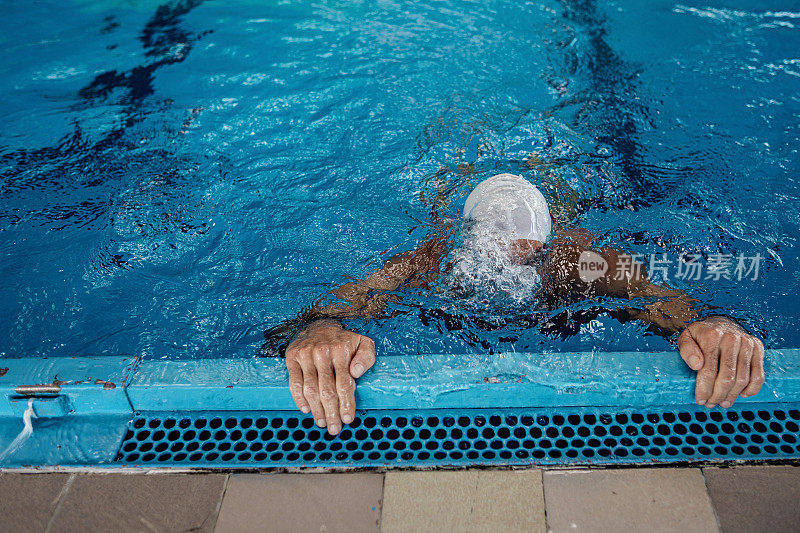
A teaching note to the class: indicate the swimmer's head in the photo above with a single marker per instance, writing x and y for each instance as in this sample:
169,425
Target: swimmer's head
512,209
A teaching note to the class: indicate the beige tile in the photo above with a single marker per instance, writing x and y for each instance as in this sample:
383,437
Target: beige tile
140,502
301,502
472,500
755,498
27,501
641,499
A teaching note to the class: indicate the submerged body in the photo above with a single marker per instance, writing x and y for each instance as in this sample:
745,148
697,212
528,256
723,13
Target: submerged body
508,248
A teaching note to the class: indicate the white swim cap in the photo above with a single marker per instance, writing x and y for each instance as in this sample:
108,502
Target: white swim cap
509,206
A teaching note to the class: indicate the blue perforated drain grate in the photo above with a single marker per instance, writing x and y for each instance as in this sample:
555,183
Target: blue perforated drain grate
465,437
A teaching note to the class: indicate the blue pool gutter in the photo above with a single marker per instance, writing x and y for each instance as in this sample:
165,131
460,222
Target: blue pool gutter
90,411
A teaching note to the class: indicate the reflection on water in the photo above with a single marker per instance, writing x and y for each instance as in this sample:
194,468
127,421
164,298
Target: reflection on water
177,177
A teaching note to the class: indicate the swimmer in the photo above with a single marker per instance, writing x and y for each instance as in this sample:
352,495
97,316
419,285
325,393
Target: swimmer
508,228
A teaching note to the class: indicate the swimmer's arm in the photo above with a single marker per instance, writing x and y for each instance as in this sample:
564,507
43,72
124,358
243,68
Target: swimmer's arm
369,297
671,309
728,360
366,298
324,359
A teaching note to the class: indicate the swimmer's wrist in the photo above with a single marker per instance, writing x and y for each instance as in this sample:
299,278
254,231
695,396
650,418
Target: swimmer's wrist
322,323
312,324
306,326
729,318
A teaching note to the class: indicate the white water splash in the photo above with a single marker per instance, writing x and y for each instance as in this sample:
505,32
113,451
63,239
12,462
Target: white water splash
484,272
24,435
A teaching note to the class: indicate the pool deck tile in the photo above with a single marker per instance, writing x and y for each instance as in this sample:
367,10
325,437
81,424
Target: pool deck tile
139,502
472,500
306,502
755,498
28,500
745,498
641,499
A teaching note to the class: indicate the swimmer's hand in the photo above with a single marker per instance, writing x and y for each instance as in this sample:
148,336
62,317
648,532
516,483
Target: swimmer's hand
323,362
728,360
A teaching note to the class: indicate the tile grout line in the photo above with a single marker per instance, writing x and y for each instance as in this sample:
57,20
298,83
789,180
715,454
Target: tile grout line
710,501
544,501
383,501
221,499
61,497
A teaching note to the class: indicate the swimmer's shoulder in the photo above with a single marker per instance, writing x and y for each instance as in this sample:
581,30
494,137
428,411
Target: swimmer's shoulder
561,268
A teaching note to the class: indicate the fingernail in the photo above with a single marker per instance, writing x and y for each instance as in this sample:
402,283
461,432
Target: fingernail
726,404
321,422
358,370
694,361
710,405
347,419
304,409
334,429
701,402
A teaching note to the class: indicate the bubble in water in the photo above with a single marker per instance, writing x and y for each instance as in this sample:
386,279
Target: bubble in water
484,272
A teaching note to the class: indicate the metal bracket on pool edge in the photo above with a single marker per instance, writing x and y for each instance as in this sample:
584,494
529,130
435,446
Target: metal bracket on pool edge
38,390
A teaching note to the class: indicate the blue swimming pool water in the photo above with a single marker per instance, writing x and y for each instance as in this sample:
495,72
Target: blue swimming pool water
176,178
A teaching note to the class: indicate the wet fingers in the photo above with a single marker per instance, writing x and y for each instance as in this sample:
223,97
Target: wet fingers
756,370
345,388
296,385
690,351
327,392
311,391
743,364
726,372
